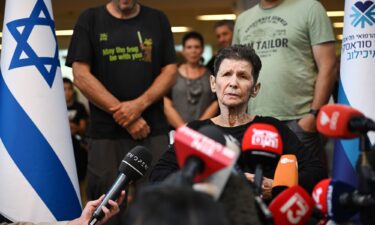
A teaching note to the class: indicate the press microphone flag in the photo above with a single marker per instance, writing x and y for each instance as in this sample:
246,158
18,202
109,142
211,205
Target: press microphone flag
37,167
190,145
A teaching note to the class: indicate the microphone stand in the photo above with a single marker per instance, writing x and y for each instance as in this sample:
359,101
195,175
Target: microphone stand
366,187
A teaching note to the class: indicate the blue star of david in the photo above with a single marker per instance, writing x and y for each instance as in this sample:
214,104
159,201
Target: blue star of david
21,38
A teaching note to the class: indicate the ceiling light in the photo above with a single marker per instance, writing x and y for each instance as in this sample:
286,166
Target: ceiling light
338,25
335,13
64,32
217,17
180,29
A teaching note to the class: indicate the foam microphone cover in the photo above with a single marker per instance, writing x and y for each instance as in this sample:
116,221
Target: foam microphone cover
190,143
336,211
136,163
286,174
333,121
218,180
319,195
293,206
262,144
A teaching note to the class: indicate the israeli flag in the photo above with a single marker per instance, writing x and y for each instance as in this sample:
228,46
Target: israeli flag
37,170
357,80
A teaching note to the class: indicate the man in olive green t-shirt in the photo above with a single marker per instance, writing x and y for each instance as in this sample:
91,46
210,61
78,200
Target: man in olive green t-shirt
295,42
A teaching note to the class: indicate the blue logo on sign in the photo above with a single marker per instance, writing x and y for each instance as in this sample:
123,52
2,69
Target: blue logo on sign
363,13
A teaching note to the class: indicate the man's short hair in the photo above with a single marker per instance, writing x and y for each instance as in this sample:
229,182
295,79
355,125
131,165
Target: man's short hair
228,23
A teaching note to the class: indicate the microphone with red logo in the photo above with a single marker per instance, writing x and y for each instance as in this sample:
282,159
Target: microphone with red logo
330,199
293,206
198,155
215,184
319,195
340,121
286,174
261,149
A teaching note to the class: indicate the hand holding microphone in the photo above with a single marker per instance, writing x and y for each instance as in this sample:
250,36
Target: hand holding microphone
133,166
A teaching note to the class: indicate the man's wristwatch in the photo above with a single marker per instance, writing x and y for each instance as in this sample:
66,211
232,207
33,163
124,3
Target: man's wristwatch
314,112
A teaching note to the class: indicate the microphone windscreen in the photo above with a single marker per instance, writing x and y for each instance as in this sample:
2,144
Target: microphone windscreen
286,174
264,138
293,206
136,162
218,180
261,144
319,195
190,143
333,121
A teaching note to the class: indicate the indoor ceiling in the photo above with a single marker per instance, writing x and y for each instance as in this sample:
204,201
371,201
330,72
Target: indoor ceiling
179,12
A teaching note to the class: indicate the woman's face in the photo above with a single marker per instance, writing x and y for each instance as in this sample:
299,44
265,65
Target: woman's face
192,50
234,83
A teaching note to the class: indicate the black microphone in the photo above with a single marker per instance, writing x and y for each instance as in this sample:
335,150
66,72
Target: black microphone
362,124
132,167
356,199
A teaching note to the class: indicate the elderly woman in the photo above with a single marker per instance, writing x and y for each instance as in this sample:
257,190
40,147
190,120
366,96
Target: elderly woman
236,71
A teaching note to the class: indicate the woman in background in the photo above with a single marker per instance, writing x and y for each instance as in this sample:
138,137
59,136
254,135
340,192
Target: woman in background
191,97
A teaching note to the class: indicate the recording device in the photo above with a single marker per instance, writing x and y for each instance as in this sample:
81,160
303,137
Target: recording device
286,174
293,206
198,155
261,148
340,121
132,167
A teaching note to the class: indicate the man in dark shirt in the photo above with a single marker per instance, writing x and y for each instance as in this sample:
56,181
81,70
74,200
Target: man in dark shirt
123,61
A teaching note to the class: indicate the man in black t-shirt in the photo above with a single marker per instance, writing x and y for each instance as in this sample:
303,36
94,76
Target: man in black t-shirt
123,61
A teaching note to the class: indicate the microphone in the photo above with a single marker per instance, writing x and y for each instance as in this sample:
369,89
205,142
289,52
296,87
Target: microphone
286,174
261,148
337,209
340,121
198,155
293,206
132,167
217,181
319,195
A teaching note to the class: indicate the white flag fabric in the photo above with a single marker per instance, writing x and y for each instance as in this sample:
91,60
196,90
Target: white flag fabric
37,169
357,80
